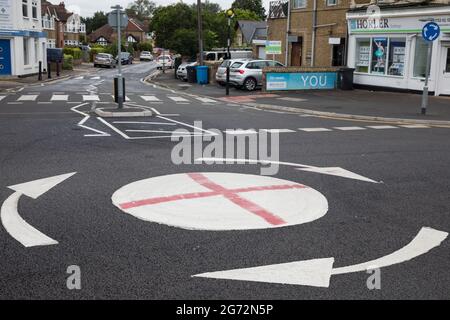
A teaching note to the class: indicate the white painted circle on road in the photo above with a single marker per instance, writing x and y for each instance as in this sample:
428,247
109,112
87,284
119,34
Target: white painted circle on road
221,201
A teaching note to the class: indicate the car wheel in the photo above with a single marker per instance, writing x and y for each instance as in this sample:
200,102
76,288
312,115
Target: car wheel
250,84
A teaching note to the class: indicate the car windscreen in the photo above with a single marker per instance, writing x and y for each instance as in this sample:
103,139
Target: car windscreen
225,64
102,55
237,65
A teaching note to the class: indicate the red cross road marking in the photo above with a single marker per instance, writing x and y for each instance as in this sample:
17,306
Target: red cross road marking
217,190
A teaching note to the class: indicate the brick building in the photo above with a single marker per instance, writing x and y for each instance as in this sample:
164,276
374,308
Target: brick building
62,27
317,31
135,32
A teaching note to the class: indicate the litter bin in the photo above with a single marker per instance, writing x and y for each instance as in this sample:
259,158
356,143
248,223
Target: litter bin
202,75
346,78
191,74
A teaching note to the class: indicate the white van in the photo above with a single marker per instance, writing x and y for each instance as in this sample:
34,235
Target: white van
222,55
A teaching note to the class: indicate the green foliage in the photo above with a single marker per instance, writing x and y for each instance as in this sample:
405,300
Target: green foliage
184,41
254,6
130,49
76,53
141,9
68,62
93,23
145,46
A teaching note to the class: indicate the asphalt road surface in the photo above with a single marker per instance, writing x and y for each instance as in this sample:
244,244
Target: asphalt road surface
151,250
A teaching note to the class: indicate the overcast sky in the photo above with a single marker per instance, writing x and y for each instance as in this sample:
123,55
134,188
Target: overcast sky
88,7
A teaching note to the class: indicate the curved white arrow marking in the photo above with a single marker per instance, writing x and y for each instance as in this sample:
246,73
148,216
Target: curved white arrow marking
18,228
318,272
334,171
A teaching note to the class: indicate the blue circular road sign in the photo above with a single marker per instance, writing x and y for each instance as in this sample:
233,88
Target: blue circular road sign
431,31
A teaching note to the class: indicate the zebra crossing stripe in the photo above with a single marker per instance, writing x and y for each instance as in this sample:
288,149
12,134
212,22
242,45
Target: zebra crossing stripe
126,98
150,99
240,132
178,99
59,98
415,126
278,130
382,127
206,100
349,128
28,98
2,97
314,129
91,98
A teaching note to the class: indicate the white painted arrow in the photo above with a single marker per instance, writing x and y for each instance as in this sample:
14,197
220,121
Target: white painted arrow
318,272
335,171
18,228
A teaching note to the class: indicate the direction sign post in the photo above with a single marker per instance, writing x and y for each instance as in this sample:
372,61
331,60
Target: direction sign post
118,19
430,33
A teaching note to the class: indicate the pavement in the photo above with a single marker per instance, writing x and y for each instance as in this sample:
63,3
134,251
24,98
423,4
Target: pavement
129,220
362,104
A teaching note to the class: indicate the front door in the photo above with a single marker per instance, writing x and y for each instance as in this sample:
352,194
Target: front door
296,54
5,57
444,83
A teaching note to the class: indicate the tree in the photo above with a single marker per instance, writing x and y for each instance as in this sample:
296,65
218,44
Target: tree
93,23
141,9
251,5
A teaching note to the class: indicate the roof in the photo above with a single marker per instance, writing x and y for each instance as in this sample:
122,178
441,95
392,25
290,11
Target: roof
402,5
107,31
252,29
59,11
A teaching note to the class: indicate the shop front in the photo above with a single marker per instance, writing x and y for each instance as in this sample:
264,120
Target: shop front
388,50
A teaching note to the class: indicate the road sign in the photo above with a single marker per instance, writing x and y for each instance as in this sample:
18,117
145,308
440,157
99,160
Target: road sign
273,47
221,201
112,19
431,31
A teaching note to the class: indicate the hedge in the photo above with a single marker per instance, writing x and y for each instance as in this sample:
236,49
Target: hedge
68,62
76,53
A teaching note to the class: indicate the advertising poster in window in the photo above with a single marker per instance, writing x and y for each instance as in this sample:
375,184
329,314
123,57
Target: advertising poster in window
379,49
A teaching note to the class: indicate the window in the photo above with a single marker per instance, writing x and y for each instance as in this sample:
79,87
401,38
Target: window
274,64
36,50
298,4
26,52
34,9
362,55
25,8
420,57
51,43
379,54
397,49
332,2
447,68
131,39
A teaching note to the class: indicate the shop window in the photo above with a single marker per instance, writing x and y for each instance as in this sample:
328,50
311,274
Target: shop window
420,58
397,49
379,54
447,68
362,55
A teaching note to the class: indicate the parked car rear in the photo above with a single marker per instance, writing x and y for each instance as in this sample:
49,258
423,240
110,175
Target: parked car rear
221,74
165,61
126,58
247,74
104,60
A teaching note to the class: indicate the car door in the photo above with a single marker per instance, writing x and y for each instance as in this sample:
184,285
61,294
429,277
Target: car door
258,70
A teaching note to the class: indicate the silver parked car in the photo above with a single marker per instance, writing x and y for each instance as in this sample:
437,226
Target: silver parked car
104,60
221,74
182,71
247,74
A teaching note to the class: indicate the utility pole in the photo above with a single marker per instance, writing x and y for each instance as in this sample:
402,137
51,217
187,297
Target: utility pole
120,98
200,30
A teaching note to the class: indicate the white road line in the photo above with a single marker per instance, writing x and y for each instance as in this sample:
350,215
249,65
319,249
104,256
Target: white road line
150,99
28,98
178,99
113,128
415,126
56,97
278,130
95,78
91,98
382,127
240,132
206,100
187,125
149,131
314,129
78,78
44,102
292,99
2,97
126,98
83,121
15,102
137,122
349,128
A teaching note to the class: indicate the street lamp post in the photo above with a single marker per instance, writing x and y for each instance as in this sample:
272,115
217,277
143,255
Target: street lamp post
230,15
